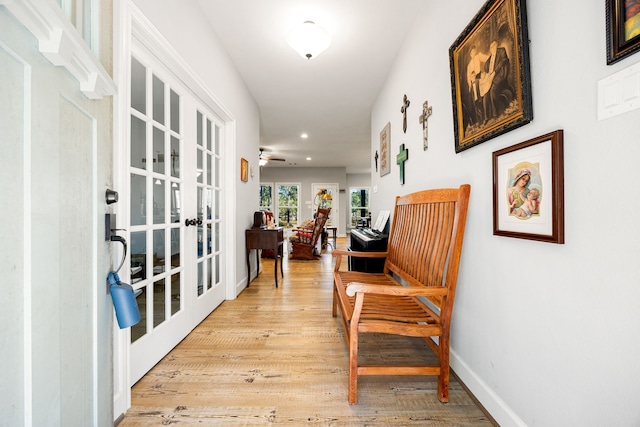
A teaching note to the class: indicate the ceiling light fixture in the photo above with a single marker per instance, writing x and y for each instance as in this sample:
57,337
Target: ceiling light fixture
304,136
263,162
308,39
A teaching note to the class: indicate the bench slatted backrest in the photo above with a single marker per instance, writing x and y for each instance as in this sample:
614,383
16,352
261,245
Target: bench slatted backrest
425,240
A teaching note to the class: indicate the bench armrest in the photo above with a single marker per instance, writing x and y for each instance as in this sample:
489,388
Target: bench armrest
339,253
360,254
412,291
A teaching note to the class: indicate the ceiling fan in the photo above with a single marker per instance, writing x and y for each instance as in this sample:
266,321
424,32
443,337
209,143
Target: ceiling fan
263,159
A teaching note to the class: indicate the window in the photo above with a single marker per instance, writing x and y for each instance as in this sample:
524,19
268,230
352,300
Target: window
359,205
266,197
83,14
288,204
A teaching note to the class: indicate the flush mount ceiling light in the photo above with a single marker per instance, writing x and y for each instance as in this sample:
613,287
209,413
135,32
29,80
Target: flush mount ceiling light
308,39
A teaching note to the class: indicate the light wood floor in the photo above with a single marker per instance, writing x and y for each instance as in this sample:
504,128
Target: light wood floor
277,356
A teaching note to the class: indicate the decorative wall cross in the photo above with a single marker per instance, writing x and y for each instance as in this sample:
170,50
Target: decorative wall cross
403,110
402,157
426,112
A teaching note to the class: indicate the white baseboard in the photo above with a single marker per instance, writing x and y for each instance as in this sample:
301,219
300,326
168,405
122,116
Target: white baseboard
240,286
498,409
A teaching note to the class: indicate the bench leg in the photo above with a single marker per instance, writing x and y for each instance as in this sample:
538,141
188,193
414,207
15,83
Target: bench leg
443,378
335,301
353,365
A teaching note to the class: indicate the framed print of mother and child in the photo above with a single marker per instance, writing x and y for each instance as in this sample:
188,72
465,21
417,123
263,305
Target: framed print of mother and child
528,189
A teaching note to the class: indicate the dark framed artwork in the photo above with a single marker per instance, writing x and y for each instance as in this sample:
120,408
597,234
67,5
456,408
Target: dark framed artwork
490,76
244,170
623,29
385,149
528,189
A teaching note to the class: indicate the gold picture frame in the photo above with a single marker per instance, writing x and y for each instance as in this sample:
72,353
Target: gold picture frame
244,170
490,75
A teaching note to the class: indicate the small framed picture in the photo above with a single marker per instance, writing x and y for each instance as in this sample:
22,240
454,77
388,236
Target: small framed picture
623,29
528,189
244,170
385,143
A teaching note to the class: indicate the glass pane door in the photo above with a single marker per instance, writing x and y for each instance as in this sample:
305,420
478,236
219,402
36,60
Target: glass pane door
155,239
176,184
208,187
266,197
359,207
288,207
157,265
326,196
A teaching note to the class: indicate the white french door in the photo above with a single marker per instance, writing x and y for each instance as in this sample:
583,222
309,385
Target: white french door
332,189
207,281
175,188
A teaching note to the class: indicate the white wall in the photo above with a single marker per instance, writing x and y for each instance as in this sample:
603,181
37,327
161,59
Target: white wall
186,28
544,334
358,180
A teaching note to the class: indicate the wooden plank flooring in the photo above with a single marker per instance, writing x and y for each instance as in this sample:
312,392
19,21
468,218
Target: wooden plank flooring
277,356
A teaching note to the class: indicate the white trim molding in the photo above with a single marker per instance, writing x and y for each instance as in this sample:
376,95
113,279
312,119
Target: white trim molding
498,408
62,45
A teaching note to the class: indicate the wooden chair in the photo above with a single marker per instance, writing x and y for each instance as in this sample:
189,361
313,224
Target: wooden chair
414,294
303,247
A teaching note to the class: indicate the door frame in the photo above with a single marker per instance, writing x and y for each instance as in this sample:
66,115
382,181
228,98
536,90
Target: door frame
130,23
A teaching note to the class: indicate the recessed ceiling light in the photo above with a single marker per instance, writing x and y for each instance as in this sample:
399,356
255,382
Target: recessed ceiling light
308,158
304,136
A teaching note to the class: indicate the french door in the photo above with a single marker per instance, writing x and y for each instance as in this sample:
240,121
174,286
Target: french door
175,187
332,190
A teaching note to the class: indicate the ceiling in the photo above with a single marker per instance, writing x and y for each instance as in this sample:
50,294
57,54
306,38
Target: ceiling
328,97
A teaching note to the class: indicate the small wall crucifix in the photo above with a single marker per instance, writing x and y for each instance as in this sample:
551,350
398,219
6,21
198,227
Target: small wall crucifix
403,110
402,157
426,112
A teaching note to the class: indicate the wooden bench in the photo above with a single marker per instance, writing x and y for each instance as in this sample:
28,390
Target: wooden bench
414,294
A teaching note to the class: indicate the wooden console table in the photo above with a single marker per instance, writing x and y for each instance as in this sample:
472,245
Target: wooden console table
325,237
262,238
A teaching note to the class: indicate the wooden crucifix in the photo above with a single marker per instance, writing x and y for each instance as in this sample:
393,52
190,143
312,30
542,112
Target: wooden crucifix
402,157
403,110
426,112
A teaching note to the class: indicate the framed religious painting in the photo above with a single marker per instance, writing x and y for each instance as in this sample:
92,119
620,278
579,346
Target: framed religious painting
490,76
623,29
385,149
528,189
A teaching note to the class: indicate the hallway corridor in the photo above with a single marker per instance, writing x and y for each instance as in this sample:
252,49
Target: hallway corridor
277,356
